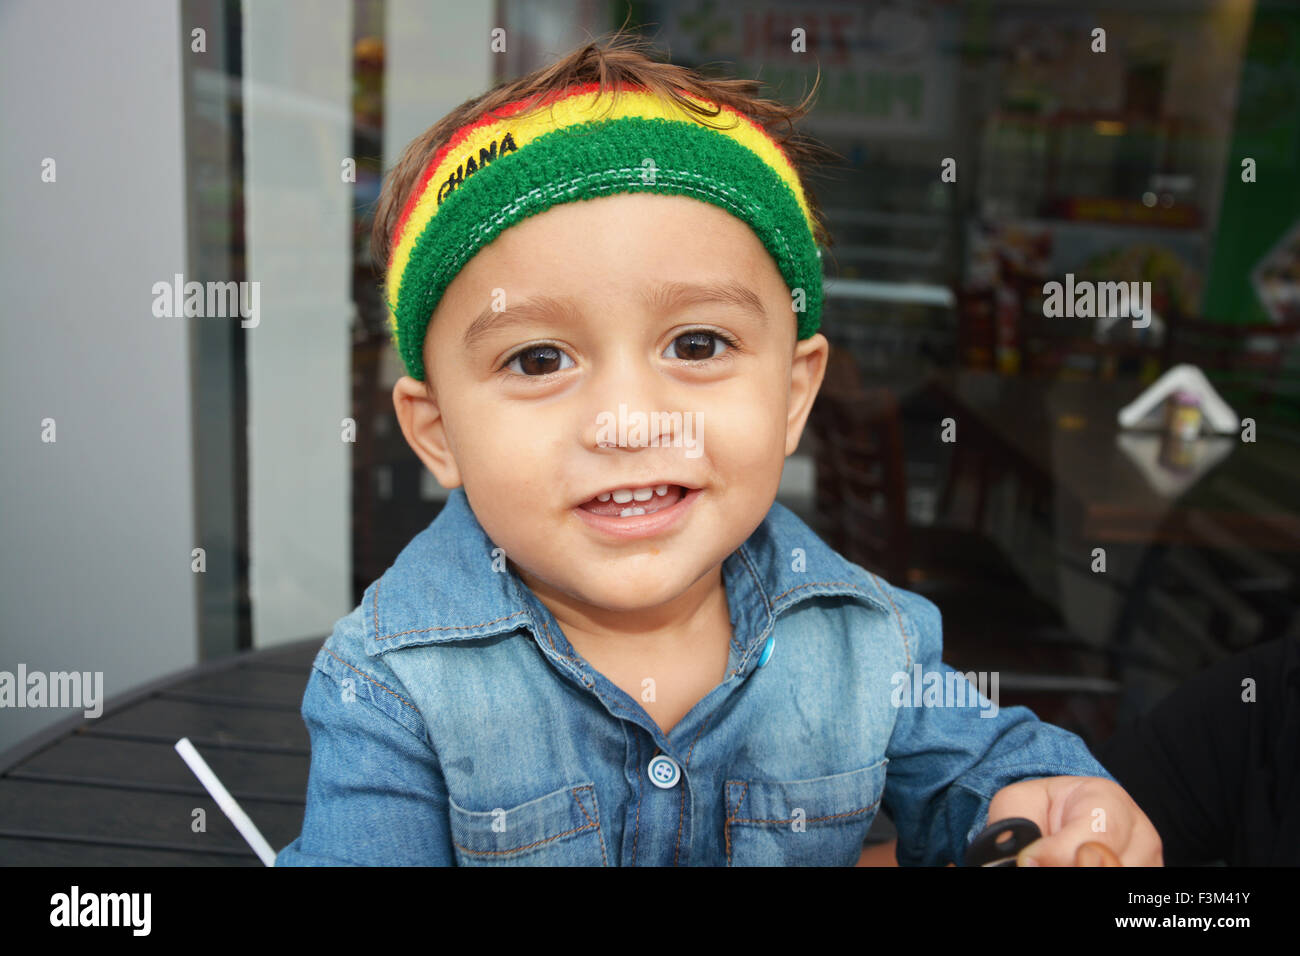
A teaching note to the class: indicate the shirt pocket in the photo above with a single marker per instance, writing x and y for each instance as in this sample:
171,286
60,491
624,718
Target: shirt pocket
559,829
821,821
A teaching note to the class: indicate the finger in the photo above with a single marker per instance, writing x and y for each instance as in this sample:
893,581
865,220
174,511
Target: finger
1096,854
1061,847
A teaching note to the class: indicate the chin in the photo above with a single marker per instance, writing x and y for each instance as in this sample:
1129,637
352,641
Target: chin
626,595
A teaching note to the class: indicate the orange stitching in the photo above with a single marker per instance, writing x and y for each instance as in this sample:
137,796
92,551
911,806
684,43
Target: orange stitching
726,829
833,816
603,860
814,584
586,816
547,628
797,587
636,831
697,735
745,792
907,650
441,627
681,818
527,846
371,679
681,811
757,581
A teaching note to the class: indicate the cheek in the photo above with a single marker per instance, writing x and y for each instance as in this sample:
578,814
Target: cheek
747,432
510,459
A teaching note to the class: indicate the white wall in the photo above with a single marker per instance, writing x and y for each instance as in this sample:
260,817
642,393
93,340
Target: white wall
297,131
95,528
432,65
436,58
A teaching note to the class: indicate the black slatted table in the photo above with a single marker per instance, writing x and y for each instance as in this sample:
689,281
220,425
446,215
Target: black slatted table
113,791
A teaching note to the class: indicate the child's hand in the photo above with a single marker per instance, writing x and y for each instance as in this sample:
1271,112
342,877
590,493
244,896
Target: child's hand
1073,811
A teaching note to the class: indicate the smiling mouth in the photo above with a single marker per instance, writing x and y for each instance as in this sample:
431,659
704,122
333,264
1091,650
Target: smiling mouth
634,502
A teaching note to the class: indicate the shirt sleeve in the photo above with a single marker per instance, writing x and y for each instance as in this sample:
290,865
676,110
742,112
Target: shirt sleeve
375,792
947,762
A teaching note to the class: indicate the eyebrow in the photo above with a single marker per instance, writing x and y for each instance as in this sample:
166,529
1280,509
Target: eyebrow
671,296
666,297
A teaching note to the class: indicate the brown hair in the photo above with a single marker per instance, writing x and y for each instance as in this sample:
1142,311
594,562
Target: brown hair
624,60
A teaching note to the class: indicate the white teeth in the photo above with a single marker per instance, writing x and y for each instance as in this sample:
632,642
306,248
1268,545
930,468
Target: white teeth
631,512
624,495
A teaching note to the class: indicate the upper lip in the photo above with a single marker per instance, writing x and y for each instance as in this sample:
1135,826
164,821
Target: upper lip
610,489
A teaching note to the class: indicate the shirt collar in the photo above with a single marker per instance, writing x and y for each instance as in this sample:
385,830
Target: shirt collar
443,586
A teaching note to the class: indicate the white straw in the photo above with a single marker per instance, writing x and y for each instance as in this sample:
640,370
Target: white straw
247,829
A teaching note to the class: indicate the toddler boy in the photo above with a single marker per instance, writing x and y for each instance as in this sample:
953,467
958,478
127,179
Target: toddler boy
612,646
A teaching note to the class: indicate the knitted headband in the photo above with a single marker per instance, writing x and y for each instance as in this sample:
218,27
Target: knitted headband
513,163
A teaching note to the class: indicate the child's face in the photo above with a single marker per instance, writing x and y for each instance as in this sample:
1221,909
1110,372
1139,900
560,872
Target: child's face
522,432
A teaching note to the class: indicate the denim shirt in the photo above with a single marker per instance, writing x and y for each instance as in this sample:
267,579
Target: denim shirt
452,723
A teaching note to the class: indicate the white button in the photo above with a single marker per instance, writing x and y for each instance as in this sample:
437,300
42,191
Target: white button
664,772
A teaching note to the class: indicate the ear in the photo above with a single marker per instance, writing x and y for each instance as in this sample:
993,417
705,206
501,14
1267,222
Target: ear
425,429
807,370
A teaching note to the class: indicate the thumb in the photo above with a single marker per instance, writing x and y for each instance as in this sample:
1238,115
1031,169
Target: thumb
1061,848
1096,854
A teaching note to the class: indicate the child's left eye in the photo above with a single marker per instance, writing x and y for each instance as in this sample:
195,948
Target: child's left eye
698,345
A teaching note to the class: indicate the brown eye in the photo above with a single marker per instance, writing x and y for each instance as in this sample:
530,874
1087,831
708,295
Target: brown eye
539,360
695,346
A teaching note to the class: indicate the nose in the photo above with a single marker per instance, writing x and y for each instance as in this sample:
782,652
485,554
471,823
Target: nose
629,406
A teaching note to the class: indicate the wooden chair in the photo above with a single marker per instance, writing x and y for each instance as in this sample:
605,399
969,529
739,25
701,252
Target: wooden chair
860,485
992,620
862,499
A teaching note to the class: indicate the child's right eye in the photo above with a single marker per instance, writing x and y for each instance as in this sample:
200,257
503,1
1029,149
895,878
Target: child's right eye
538,360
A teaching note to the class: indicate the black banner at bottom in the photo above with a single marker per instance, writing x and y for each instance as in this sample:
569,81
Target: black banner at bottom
220,905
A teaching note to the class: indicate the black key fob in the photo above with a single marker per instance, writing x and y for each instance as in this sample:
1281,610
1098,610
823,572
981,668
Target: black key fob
999,843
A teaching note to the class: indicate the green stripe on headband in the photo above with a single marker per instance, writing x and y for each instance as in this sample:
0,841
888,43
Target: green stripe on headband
597,159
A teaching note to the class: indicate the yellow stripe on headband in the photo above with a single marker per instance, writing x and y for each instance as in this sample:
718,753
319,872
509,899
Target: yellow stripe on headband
494,136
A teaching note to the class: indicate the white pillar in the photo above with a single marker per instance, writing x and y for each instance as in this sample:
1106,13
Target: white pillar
297,87
96,528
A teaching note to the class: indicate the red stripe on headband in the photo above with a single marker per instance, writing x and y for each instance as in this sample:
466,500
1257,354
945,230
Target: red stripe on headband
464,132
517,106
